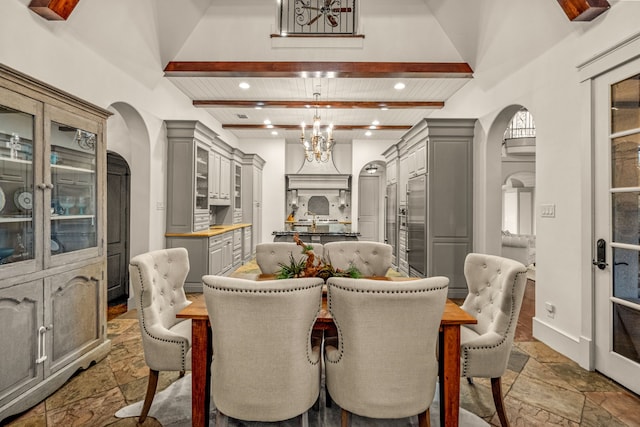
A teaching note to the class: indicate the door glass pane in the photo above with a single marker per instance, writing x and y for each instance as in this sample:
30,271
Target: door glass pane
625,113
73,197
626,336
626,217
625,161
625,274
16,186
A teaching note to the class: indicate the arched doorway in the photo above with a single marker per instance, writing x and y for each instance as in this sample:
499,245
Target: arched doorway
118,211
371,201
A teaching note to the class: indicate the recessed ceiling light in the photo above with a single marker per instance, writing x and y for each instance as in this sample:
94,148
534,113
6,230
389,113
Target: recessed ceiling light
372,127
274,133
244,85
399,86
375,123
267,122
269,126
368,133
384,108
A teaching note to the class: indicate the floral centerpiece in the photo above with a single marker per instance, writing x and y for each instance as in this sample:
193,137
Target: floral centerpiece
312,266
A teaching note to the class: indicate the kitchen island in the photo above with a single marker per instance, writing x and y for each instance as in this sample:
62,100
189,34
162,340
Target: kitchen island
318,236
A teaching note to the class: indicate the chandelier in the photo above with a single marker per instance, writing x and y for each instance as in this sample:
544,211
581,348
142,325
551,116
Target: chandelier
318,147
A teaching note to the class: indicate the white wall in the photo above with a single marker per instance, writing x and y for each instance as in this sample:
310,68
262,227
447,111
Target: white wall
549,87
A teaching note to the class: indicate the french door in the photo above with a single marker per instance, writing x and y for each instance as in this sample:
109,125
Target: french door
617,224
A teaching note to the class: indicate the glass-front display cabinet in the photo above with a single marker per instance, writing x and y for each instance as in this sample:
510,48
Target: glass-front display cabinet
16,185
52,250
47,189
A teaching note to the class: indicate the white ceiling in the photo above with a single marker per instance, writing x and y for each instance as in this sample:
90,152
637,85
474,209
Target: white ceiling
334,89
142,37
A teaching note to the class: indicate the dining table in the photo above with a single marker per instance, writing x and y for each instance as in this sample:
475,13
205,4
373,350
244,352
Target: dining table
453,317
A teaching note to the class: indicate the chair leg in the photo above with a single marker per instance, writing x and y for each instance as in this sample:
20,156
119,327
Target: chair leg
424,419
304,419
496,389
181,374
470,380
327,401
344,418
152,384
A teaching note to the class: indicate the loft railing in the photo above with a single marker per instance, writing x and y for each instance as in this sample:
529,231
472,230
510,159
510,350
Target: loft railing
317,17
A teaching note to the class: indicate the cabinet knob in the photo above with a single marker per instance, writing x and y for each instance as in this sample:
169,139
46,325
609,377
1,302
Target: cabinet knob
50,186
42,186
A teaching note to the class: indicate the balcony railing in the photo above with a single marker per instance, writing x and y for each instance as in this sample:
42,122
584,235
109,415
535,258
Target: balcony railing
317,17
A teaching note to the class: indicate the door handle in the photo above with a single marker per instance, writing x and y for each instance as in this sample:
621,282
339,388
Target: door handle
601,255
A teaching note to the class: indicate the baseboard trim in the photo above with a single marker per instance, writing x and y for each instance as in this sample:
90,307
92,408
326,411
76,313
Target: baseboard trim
578,349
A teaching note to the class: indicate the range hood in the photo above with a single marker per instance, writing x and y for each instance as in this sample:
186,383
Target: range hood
318,176
318,182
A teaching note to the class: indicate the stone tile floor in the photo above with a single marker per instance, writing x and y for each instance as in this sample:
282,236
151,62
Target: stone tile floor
542,387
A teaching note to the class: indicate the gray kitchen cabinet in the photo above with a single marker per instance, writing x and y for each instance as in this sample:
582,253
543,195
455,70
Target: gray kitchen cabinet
252,196
52,250
237,248
216,257
207,255
189,143
220,176
246,244
237,189
437,157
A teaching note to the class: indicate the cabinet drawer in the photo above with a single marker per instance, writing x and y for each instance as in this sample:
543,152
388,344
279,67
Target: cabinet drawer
237,239
200,221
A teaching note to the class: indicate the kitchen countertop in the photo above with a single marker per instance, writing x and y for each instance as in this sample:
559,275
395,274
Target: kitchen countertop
320,233
214,230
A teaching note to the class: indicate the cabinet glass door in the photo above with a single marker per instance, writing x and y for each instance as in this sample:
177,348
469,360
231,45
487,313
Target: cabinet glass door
72,164
16,186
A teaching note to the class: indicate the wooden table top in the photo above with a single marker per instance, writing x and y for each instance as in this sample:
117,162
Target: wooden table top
453,314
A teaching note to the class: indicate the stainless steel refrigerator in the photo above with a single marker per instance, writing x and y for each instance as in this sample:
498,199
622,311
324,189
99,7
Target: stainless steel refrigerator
417,225
391,223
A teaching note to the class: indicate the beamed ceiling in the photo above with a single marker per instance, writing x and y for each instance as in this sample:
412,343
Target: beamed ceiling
352,94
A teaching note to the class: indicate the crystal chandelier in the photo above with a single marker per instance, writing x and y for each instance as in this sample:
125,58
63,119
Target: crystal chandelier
318,146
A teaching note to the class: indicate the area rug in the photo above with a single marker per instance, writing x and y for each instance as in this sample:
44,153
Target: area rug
172,408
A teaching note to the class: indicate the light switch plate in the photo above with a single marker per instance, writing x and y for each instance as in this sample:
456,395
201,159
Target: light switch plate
548,211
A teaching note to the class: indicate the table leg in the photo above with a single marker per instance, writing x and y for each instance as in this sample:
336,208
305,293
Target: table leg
200,372
449,374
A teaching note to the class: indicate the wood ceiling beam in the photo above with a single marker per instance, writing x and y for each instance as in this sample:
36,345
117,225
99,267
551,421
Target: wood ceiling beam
319,69
318,104
53,10
297,127
583,10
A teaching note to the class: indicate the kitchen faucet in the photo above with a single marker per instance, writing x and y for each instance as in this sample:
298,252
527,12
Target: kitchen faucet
313,221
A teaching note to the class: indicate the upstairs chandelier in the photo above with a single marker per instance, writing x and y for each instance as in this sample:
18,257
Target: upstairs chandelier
318,147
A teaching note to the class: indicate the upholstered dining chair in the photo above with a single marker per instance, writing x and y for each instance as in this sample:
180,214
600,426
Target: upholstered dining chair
264,365
384,363
157,279
496,288
270,255
370,258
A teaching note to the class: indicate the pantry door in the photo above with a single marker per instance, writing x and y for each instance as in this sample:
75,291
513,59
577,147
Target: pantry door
617,224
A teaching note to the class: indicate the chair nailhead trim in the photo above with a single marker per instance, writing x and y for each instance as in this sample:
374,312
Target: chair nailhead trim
501,342
143,290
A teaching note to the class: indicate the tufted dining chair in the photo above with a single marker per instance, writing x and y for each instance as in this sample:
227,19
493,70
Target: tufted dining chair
370,258
496,289
270,255
157,279
264,366
384,363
